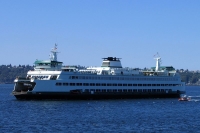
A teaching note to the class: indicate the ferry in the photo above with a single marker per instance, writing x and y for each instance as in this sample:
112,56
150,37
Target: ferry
51,80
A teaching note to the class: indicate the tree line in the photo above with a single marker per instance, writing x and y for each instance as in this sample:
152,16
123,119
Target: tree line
8,73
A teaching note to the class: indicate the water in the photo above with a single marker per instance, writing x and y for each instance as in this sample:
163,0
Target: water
133,115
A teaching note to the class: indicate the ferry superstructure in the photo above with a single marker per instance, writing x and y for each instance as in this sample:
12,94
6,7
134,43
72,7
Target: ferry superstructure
51,80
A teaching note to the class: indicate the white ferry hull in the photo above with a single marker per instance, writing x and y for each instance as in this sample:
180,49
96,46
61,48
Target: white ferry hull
56,89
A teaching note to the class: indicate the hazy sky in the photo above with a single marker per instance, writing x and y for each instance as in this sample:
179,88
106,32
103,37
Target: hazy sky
88,30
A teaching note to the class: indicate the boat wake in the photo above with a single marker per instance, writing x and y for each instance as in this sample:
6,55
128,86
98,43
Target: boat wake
194,98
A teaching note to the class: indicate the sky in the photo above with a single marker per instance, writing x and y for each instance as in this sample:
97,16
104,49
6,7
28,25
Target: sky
88,30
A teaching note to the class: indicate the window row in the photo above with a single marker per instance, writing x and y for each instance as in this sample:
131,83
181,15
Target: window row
40,77
128,90
122,78
111,84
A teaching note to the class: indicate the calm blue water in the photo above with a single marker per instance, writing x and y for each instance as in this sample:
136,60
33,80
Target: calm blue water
135,115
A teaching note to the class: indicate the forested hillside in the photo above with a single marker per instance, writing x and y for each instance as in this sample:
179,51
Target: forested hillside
8,73
190,77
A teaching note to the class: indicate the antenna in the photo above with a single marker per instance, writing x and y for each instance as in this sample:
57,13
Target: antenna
55,47
156,55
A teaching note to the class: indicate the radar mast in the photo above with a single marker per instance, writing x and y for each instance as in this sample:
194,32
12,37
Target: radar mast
158,61
53,55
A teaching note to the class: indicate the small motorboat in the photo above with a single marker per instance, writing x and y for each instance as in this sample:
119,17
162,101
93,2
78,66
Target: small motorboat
184,98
